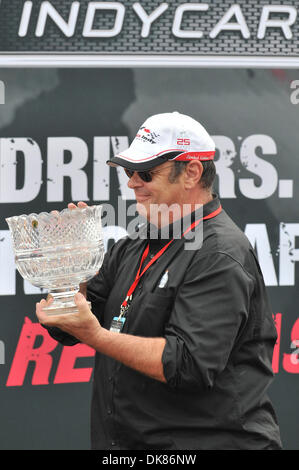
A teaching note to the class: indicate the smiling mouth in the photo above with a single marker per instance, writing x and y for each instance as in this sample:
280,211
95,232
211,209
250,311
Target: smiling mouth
142,197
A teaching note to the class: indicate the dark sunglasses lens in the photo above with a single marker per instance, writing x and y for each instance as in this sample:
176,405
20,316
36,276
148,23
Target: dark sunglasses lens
144,175
129,173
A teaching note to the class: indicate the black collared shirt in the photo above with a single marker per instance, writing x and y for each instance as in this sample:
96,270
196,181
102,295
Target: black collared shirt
214,313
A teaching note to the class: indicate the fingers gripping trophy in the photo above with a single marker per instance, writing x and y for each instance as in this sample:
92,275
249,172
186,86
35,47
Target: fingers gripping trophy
58,251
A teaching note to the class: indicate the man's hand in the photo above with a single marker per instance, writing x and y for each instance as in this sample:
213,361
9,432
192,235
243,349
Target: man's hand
83,325
81,205
139,353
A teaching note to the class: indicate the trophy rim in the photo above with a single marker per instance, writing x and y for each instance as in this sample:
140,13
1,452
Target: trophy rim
51,214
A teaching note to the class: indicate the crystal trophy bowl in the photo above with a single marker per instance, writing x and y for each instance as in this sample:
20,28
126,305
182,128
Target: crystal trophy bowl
58,251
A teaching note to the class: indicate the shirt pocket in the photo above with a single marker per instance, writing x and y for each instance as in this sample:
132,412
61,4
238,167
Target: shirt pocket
150,314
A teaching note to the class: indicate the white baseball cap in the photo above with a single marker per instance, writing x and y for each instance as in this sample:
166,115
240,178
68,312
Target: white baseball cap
164,137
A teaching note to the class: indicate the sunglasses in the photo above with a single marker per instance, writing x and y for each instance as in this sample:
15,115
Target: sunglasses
146,176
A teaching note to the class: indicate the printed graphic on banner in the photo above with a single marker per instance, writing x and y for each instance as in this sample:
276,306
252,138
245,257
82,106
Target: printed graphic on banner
2,92
59,126
151,33
26,352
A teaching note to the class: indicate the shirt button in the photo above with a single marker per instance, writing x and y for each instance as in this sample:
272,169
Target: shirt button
109,411
113,443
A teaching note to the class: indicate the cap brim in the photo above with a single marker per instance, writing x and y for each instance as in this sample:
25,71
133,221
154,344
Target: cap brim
145,162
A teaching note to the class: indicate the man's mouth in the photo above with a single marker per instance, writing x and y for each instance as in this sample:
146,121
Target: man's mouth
142,197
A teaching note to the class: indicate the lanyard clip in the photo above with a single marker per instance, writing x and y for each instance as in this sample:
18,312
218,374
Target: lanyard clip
125,306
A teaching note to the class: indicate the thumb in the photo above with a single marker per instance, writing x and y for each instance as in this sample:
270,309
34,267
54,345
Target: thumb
81,302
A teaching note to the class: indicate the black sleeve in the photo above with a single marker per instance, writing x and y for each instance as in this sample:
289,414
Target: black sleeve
61,336
209,309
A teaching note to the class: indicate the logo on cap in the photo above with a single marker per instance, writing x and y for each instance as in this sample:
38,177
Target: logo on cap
181,141
147,135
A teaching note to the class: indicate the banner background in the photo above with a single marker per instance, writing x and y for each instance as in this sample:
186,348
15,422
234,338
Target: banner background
44,403
214,33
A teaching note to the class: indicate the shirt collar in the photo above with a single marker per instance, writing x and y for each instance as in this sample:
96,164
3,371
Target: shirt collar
180,225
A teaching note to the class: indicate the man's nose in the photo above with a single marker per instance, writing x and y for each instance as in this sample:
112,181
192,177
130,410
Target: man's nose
135,181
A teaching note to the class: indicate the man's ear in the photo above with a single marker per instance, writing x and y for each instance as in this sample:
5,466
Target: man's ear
193,174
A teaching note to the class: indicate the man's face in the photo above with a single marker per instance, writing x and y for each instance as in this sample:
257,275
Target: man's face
156,197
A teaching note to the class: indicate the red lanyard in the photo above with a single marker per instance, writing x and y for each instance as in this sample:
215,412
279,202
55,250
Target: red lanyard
124,305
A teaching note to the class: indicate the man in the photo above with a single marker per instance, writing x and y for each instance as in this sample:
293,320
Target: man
184,337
